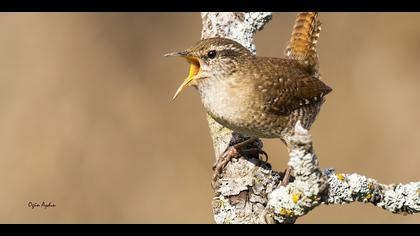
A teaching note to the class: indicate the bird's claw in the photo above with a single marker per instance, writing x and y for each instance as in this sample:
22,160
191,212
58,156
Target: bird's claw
218,166
234,152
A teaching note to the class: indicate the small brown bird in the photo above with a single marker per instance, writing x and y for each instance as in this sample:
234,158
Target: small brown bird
260,97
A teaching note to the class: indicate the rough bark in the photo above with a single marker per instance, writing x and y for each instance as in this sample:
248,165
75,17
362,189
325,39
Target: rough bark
248,190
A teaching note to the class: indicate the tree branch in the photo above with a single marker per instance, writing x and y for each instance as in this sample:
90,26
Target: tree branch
249,191
313,187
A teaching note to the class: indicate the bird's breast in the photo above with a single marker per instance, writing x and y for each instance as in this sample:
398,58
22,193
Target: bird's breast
235,107
225,101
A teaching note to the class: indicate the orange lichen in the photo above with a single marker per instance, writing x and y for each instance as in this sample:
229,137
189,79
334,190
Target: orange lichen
286,212
341,177
296,197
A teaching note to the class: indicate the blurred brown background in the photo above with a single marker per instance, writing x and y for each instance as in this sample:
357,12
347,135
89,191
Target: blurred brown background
87,122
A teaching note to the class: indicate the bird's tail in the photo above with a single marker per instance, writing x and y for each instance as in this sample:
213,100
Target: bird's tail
302,45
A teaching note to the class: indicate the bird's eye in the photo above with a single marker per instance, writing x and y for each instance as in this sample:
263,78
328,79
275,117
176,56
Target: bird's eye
211,54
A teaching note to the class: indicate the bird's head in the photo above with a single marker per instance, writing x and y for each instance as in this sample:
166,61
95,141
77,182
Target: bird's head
212,57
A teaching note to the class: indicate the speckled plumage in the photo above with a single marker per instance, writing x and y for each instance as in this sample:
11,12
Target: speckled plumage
257,96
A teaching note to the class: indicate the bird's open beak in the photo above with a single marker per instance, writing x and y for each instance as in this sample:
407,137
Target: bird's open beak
194,69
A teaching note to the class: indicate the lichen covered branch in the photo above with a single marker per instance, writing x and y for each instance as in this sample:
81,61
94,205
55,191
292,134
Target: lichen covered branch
241,192
347,188
313,186
305,192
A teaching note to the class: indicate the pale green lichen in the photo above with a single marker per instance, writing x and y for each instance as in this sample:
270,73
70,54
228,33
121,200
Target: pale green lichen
227,221
219,203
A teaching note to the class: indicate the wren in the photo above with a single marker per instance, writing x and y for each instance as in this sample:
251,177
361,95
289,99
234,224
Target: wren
259,97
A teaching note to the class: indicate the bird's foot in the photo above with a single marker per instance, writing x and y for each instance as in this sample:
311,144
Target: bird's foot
221,163
234,152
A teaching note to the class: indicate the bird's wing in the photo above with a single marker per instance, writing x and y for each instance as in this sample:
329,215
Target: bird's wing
290,93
